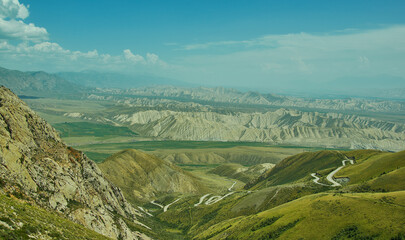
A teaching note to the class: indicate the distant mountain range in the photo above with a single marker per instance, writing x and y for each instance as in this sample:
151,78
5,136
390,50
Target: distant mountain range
117,80
37,83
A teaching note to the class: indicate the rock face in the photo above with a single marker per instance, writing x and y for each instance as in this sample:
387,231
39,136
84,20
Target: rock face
38,165
143,177
281,127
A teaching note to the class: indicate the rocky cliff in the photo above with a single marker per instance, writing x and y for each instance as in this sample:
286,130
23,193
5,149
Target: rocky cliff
35,164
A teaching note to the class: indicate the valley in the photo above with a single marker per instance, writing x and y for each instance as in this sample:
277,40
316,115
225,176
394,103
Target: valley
202,120
215,163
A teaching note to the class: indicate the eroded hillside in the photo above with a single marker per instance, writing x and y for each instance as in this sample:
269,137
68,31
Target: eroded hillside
276,127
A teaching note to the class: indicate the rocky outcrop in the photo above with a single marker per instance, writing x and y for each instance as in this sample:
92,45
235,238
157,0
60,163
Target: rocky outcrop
35,163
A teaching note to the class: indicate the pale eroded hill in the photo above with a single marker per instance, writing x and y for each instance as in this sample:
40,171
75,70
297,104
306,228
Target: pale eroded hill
278,127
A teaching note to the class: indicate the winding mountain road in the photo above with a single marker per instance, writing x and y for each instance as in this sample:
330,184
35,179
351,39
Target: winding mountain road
316,180
168,205
230,189
331,174
164,207
157,204
202,199
209,201
215,199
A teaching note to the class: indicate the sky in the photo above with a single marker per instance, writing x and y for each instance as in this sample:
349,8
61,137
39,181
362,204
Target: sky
257,44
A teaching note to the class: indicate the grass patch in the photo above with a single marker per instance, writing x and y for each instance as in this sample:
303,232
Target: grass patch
351,232
96,156
25,221
79,129
156,145
265,223
276,234
323,216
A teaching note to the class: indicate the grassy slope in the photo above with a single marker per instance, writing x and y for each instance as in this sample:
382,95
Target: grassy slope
239,172
298,185
238,152
321,216
26,220
299,166
231,170
372,167
139,174
392,181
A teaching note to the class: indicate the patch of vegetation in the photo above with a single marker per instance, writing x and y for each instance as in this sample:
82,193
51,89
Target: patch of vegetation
377,165
169,144
264,223
218,232
297,167
322,216
352,232
96,156
208,217
23,221
73,205
276,234
400,236
80,129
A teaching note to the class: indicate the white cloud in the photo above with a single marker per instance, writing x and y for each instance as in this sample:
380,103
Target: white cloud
297,59
45,47
16,29
152,58
340,40
12,25
50,56
132,57
4,46
13,9
208,45
26,46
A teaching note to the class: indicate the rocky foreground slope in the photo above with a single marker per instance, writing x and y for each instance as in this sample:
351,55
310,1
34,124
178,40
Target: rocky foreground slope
35,164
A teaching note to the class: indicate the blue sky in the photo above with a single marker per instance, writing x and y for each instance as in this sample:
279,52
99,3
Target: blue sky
274,44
